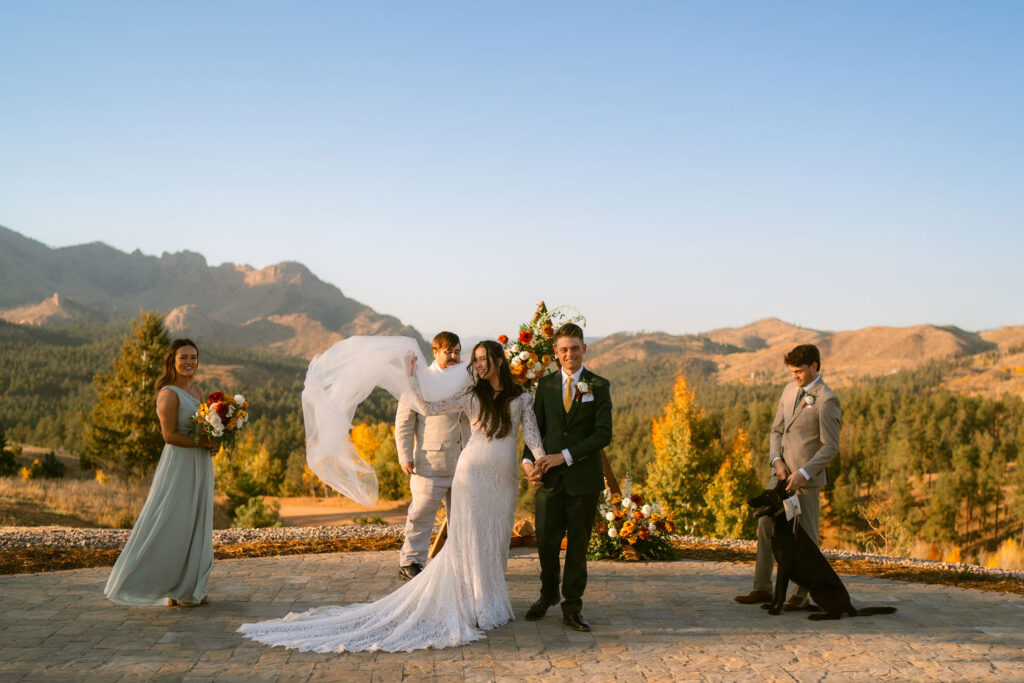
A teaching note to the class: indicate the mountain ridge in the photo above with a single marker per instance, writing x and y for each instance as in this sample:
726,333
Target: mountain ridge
299,313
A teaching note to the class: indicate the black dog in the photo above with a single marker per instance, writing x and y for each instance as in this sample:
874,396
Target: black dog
799,559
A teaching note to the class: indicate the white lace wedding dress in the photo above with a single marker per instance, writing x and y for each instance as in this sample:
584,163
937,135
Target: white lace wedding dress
462,592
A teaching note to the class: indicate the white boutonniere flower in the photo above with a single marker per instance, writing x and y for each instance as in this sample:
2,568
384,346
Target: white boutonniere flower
809,399
584,388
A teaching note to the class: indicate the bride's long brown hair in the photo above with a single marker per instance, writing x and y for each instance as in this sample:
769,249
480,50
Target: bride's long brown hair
495,415
170,375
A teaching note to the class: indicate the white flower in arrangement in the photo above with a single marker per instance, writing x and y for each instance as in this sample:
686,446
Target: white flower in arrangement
538,367
553,367
613,532
524,355
646,509
514,348
610,516
239,399
530,374
629,503
650,527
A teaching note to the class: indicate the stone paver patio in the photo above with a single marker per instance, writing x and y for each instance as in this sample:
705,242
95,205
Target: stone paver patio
651,621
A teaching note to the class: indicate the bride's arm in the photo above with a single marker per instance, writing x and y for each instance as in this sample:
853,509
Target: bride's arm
458,401
531,433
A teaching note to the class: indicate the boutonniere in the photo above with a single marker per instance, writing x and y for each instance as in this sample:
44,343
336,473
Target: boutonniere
809,399
584,388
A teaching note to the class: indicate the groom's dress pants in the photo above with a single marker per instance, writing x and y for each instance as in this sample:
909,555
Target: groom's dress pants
765,528
561,515
427,494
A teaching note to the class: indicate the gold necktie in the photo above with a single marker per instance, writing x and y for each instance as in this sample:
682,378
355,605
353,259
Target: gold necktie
567,399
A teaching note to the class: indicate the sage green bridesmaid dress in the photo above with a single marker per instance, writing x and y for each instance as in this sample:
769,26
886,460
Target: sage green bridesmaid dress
170,551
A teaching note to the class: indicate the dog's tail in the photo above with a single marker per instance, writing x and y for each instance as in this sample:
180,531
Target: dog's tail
868,611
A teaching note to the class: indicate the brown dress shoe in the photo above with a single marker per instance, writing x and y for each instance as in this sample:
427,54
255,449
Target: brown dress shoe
796,603
754,597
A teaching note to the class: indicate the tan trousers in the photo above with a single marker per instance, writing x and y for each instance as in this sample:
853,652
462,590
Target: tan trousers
809,512
427,495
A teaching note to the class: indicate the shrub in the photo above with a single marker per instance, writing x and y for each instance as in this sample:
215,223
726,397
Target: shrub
255,514
52,467
362,521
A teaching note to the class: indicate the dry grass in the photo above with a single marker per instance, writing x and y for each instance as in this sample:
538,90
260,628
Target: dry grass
69,502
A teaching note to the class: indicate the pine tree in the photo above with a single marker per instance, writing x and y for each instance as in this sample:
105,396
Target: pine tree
733,485
686,457
124,438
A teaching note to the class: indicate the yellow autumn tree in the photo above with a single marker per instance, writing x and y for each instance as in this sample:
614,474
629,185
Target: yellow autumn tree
686,457
376,445
734,484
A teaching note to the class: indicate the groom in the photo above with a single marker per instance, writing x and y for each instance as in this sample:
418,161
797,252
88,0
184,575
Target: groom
803,441
574,414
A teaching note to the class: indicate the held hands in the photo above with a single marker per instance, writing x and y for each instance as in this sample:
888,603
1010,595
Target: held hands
408,468
534,475
535,472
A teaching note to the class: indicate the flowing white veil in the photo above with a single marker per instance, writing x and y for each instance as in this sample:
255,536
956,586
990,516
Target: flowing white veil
341,378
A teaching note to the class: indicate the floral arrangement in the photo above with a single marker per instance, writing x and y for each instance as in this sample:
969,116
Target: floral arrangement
627,528
220,417
532,354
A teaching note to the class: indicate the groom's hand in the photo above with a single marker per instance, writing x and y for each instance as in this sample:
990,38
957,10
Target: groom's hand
551,460
408,467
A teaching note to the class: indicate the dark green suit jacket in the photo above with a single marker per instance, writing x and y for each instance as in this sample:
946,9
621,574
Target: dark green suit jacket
584,430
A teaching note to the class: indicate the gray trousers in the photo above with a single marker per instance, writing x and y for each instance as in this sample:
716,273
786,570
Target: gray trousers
809,512
427,495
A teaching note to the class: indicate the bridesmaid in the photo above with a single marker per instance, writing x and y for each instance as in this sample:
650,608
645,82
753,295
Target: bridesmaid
168,558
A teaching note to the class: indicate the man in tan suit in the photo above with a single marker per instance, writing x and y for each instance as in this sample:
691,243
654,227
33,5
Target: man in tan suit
804,439
428,448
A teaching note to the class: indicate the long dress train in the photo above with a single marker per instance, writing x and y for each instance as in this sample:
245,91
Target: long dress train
170,551
462,591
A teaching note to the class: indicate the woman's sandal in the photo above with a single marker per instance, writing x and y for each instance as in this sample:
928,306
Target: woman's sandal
171,602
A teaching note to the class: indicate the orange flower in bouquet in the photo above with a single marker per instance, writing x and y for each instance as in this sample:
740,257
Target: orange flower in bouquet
532,354
220,416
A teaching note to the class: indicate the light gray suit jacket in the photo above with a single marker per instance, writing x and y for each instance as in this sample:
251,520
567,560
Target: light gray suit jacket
433,443
806,436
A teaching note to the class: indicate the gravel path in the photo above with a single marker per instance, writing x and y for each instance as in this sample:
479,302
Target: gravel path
12,538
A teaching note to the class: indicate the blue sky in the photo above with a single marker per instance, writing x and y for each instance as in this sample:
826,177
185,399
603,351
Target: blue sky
674,166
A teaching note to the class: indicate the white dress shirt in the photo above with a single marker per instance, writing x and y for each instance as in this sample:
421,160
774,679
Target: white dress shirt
806,389
573,379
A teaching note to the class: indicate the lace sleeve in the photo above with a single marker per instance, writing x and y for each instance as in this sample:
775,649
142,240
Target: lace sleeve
459,401
531,433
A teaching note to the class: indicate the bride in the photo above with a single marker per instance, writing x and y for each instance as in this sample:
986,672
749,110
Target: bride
462,592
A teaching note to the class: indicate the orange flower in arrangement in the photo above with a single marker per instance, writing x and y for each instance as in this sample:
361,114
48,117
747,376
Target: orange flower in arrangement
502,339
628,528
525,337
548,331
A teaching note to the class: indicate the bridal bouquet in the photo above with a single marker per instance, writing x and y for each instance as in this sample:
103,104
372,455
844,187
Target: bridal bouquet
220,416
627,528
532,354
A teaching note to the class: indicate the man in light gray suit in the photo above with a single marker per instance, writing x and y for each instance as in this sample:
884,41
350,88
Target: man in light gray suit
428,448
804,439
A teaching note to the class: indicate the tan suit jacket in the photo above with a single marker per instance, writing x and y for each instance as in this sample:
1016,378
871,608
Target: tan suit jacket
433,443
806,436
